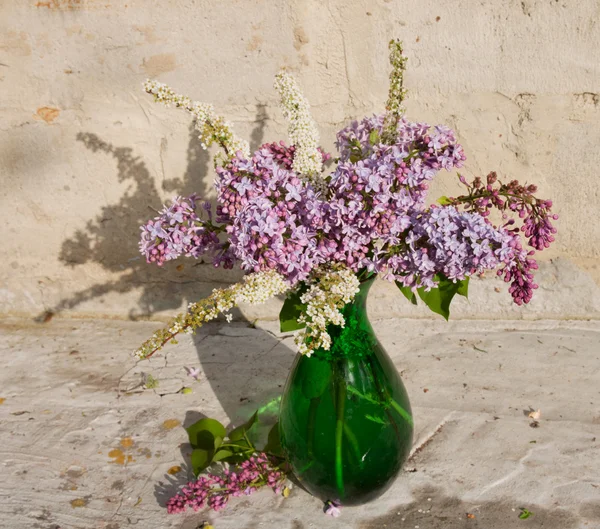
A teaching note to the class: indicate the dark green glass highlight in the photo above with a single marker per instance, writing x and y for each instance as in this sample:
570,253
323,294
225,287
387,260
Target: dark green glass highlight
345,420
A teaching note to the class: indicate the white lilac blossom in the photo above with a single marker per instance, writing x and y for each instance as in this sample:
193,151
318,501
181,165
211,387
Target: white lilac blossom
302,128
331,288
212,127
397,93
255,289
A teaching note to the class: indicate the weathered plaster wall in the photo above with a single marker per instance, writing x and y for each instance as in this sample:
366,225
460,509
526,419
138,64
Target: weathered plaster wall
85,154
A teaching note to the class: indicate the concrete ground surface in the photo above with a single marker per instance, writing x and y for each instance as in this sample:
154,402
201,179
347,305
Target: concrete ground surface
83,445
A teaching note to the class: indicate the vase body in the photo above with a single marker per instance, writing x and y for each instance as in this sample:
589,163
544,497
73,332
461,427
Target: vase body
345,420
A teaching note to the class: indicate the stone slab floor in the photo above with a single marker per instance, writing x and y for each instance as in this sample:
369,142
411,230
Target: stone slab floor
83,445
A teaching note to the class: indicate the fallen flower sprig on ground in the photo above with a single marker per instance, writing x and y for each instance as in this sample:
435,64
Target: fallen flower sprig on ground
240,468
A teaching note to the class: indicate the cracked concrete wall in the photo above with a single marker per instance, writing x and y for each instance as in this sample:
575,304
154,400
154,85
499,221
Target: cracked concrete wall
86,156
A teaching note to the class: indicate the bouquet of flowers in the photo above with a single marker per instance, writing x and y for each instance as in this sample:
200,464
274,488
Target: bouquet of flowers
313,230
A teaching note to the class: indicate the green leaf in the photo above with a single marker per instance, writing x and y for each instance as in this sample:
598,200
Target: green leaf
376,419
205,432
438,299
201,459
150,382
374,137
463,289
273,445
222,454
238,433
444,201
408,293
525,514
290,312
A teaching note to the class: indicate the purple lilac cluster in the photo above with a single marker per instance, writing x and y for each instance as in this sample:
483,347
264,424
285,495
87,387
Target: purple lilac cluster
242,180
445,241
370,214
424,149
376,187
178,231
215,490
518,199
273,215
536,216
519,273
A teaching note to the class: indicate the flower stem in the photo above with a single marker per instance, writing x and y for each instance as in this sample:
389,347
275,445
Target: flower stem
339,431
402,412
353,443
383,395
312,417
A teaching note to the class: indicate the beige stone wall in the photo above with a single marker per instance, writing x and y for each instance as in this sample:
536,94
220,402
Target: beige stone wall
86,156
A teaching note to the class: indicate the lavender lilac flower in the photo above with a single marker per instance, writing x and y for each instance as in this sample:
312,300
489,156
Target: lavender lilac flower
376,187
536,216
445,241
178,231
274,216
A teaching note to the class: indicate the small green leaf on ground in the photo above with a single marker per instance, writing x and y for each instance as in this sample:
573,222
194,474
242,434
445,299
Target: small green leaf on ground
150,382
200,459
525,514
273,445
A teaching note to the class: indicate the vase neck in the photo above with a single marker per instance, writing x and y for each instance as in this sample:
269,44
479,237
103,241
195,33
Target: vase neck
358,305
356,338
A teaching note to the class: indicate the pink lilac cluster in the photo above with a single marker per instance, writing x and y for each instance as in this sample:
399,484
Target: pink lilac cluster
178,231
274,216
376,187
215,490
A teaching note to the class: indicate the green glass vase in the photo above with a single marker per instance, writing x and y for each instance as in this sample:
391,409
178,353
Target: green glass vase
345,420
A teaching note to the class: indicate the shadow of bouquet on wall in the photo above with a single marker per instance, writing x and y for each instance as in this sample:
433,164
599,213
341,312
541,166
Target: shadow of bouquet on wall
110,239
